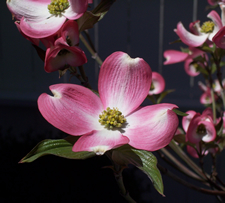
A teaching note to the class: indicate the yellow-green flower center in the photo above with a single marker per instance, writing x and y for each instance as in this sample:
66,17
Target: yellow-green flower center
111,118
207,27
152,87
57,7
201,129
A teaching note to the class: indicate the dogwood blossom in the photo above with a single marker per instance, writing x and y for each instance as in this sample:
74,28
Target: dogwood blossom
42,18
115,118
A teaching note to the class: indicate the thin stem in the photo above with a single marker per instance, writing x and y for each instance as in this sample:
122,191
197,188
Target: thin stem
213,105
119,178
178,165
85,78
89,48
203,190
185,158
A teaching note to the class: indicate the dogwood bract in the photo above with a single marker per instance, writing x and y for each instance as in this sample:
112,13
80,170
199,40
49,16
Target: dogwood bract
115,118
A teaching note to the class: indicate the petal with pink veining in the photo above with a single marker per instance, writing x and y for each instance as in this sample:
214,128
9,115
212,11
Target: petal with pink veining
73,109
100,141
152,127
124,82
189,38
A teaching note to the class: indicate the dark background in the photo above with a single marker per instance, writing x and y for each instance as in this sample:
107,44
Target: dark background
129,26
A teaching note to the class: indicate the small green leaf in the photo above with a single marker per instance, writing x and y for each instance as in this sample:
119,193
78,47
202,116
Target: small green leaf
179,113
180,138
59,147
103,7
151,98
150,168
87,21
163,94
185,50
124,156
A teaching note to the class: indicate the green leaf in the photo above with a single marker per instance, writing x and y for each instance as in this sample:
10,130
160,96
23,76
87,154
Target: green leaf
163,94
150,168
59,147
124,156
151,98
179,113
103,7
88,20
180,138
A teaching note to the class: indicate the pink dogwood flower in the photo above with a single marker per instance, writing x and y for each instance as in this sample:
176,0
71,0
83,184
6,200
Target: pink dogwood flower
158,84
115,118
174,56
65,52
42,18
199,35
201,127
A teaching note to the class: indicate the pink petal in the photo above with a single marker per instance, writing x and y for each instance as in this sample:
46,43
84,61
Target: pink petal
124,82
173,56
73,109
152,127
33,40
158,82
213,15
219,38
73,56
29,9
195,28
189,38
100,141
192,151
70,32
42,29
208,112
187,119
76,9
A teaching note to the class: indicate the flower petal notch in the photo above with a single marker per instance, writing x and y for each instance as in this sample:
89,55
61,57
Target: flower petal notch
40,19
115,118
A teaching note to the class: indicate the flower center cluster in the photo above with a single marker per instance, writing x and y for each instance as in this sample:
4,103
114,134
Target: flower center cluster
152,86
111,118
207,27
201,130
57,7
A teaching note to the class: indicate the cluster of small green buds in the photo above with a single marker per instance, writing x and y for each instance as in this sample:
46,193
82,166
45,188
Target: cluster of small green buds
207,27
111,118
57,7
